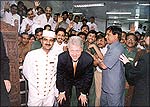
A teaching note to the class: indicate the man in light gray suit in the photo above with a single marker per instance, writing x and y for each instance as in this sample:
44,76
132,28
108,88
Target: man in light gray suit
113,81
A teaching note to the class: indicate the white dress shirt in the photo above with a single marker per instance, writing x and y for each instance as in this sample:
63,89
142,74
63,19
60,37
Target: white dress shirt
10,18
103,50
58,48
42,20
92,26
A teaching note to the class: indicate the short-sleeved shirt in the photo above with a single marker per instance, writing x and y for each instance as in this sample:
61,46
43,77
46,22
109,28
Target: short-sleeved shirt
114,75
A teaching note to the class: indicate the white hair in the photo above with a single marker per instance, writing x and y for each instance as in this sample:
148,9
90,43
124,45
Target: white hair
75,40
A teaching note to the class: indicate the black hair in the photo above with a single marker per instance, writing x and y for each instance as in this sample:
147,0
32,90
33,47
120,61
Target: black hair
65,12
37,30
60,29
14,5
92,31
40,8
115,30
100,36
49,7
82,33
128,34
47,26
30,9
85,26
24,33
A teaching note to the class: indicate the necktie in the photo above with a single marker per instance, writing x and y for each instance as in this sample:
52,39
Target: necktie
74,66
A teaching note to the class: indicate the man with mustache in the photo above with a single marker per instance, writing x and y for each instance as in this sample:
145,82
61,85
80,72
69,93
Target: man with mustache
101,43
39,68
45,18
59,45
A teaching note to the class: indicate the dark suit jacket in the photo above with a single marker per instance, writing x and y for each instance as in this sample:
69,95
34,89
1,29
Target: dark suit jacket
4,72
140,73
65,73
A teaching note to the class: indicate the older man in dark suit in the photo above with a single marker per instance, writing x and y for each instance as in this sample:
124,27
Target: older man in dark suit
75,68
4,72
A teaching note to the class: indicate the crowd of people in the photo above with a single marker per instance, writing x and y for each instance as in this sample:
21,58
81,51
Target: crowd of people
62,52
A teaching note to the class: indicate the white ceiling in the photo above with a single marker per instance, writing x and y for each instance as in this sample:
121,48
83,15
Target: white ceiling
100,12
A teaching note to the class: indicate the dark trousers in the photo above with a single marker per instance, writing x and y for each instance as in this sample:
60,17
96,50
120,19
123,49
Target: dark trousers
68,94
5,102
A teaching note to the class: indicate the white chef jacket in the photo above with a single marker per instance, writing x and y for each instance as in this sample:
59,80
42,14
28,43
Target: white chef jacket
39,69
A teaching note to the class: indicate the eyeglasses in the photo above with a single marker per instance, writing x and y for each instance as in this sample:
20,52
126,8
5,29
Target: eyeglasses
130,39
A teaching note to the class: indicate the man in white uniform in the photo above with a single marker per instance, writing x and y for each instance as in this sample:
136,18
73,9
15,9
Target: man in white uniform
39,68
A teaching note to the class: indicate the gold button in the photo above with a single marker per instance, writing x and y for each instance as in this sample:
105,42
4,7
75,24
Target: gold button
45,82
45,87
44,91
46,73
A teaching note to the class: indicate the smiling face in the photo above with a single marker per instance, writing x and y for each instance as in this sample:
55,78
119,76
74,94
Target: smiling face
131,41
101,42
48,11
91,37
60,37
75,47
47,43
75,52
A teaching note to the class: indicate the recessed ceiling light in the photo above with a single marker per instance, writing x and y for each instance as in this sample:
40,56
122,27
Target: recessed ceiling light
77,13
144,4
138,19
118,12
88,5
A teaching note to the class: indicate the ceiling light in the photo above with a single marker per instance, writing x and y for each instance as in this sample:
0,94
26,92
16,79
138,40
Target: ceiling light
116,17
138,19
144,4
118,12
89,5
77,13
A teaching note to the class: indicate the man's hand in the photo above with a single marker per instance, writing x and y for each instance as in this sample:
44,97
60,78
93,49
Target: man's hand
7,85
60,98
36,3
123,58
83,99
